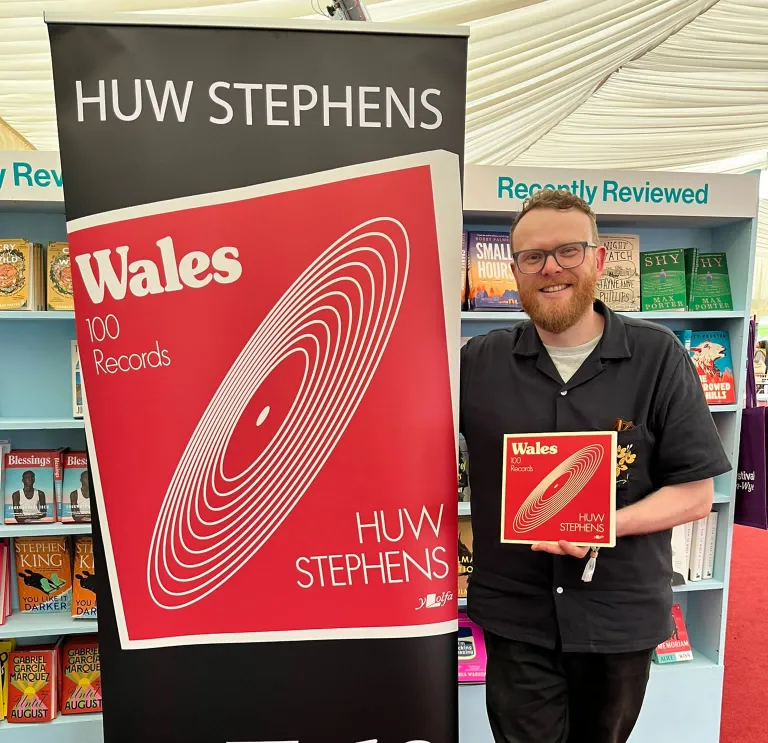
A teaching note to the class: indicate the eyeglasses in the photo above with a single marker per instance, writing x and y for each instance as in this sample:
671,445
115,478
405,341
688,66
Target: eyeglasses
570,255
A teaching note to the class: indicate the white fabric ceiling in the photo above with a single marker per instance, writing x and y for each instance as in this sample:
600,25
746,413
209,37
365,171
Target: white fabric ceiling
645,84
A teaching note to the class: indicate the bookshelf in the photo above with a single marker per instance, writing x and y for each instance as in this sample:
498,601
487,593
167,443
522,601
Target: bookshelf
683,701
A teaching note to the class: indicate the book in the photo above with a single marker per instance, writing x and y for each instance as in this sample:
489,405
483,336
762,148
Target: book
80,676
29,493
76,499
5,447
43,567
465,554
559,486
619,285
472,652
463,269
678,647
710,352
33,683
710,541
684,336
662,280
7,646
59,278
711,285
691,259
5,579
464,488
680,558
492,285
15,274
83,580
696,566
77,381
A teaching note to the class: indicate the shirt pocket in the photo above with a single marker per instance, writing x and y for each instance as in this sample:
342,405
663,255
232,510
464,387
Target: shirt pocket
633,465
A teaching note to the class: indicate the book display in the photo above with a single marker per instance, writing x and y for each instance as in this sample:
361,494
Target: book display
694,275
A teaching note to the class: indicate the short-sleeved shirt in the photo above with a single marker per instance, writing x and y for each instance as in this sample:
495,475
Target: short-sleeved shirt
639,372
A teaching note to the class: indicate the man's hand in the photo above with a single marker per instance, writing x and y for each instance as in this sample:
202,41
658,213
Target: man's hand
560,548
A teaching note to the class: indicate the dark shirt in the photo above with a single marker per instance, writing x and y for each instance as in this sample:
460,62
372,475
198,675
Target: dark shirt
639,372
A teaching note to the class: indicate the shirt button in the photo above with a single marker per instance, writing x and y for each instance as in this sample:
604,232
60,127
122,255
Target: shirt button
559,589
563,392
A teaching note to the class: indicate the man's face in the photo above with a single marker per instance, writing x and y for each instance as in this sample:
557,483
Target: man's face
28,478
556,298
84,479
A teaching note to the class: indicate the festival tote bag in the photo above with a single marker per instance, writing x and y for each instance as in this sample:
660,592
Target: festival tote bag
751,494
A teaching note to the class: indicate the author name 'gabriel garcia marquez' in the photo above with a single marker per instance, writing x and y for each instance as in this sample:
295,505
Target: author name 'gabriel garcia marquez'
383,566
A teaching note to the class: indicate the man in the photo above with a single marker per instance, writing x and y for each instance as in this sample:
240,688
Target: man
28,502
569,659
80,499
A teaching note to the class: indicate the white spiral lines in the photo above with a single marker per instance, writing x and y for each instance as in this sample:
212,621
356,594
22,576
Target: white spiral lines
336,318
579,468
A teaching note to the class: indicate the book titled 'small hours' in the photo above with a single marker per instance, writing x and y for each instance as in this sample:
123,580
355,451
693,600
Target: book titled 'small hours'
559,486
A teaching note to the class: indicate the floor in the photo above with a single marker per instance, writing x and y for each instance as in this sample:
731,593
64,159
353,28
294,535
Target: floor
745,696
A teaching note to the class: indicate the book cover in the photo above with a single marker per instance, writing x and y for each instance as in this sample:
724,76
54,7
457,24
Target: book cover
44,574
678,647
465,554
710,542
32,687
680,557
80,676
464,488
711,355
15,274
662,280
83,580
619,285
559,486
29,495
684,336
76,499
77,381
59,276
711,285
463,269
492,285
472,653
690,256
6,648
696,566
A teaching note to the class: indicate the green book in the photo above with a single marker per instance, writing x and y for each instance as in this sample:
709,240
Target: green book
711,288
691,262
662,280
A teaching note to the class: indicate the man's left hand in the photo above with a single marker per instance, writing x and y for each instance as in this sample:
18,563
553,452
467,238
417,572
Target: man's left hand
560,548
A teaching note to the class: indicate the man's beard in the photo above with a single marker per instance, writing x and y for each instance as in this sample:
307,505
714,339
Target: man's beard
557,318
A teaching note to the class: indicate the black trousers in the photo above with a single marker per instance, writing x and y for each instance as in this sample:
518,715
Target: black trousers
536,695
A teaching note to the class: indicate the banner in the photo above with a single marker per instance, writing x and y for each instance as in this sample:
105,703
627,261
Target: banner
264,227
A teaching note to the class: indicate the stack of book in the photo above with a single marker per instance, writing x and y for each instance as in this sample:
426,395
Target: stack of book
693,550
32,278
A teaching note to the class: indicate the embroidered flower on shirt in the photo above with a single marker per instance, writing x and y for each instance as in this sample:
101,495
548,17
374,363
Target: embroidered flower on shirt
624,457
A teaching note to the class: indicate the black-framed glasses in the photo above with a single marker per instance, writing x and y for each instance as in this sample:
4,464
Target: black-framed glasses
569,255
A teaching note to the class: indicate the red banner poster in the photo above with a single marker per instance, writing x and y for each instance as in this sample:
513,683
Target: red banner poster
559,486
257,438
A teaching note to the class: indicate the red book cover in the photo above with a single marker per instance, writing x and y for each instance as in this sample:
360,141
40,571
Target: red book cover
559,486
80,676
678,647
32,687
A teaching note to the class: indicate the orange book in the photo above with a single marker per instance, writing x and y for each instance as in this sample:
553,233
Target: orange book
465,554
44,574
83,588
32,684
80,676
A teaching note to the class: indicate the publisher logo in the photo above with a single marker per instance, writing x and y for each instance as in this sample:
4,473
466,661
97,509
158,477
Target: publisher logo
558,488
434,600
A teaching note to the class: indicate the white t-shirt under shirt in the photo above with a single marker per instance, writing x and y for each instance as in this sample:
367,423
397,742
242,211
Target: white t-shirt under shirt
567,360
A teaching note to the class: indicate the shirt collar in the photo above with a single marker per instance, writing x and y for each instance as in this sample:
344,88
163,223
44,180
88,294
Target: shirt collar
613,344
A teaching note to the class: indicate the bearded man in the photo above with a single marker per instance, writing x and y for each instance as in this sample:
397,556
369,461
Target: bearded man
569,659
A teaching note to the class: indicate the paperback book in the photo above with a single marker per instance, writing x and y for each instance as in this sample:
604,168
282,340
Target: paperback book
559,486
6,648
80,676
464,270
472,653
83,582
29,492
32,691
710,283
464,488
59,275
44,574
492,285
465,554
77,381
619,285
678,647
76,501
662,280
710,352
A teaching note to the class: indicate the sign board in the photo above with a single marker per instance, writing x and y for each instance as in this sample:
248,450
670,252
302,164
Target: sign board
30,175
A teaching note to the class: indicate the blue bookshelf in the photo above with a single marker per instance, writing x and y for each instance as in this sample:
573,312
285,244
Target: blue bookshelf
676,690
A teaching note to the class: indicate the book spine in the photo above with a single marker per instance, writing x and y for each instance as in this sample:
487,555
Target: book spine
709,545
697,549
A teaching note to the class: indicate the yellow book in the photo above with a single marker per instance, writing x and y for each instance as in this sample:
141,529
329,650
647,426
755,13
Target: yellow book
6,647
59,278
15,274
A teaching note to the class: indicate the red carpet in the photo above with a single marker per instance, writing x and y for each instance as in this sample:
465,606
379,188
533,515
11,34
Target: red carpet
745,697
